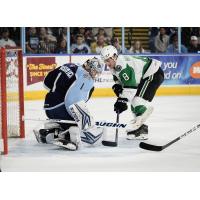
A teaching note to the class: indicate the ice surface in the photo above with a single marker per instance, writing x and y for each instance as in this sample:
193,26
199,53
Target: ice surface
172,117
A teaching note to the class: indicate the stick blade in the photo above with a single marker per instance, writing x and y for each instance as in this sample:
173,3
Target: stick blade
150,147
109,143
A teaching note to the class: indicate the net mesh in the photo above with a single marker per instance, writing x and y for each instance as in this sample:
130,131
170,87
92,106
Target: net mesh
12,90
12,86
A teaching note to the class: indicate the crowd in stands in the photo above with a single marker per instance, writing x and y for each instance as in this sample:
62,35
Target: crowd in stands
9,37
85,40
165,40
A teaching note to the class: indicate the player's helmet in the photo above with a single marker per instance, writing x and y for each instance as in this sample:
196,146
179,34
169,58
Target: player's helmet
108,52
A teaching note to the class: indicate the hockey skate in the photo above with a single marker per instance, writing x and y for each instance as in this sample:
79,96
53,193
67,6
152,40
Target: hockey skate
67,144
139,134
139,120
45,135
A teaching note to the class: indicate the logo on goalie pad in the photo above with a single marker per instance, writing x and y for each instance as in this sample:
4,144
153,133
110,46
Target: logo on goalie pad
85,118
73,112
90,138
117,125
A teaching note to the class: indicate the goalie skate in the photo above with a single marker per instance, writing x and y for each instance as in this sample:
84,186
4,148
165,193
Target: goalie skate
45,135
65,144
139,134
37,136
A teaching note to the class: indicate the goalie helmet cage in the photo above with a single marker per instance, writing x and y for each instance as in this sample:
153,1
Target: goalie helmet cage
11,96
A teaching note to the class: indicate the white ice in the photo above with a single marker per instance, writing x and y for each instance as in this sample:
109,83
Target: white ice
172,117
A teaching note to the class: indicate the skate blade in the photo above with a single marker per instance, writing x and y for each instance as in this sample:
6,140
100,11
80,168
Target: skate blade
141,137
37,136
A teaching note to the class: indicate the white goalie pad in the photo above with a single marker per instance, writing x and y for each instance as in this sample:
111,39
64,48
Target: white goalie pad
90,136
81,115
75,137
51,125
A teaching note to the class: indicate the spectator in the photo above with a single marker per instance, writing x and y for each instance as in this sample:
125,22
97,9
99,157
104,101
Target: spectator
173,48
5,40
153,32
44,45
199,37
101,31
98,45
136,47
51,37
62,34
161,41
47,42
61,46
44,34
32,42
195,31
185,35
194,46
89,37
15,35
81,30
172,32
115,42
80,47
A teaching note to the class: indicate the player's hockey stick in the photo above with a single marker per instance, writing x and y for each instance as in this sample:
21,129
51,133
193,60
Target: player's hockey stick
98,123
152,147
111,143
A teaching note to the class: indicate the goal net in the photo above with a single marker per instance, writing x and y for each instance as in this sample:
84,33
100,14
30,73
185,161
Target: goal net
12,96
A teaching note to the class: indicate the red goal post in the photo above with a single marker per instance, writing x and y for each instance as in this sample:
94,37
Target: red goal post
11,96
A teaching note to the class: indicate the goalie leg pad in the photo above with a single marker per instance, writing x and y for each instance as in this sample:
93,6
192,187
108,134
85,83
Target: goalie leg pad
92,136
81,115
75,137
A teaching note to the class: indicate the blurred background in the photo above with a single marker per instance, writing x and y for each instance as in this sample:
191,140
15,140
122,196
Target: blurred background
90,40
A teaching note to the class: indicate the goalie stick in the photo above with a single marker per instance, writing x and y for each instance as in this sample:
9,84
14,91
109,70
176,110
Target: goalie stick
152,147
111,143
98,123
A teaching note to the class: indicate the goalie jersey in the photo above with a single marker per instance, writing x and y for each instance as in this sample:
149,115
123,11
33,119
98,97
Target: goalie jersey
67,84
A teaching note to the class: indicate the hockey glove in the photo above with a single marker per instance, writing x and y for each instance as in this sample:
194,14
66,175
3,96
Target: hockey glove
120,105
117,88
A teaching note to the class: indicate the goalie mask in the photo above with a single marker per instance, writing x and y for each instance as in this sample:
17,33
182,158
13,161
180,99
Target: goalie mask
94,67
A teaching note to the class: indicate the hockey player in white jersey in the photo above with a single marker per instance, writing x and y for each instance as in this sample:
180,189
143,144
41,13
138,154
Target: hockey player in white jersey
136,81
70,86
